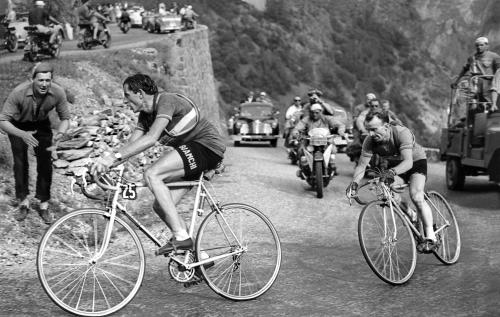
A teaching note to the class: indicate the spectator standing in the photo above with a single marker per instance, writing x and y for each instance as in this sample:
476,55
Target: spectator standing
25,118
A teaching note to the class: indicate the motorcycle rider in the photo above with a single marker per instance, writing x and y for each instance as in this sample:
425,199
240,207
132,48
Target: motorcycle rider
407,159
316,119
39,16
314,97
124,18
85,14
292,116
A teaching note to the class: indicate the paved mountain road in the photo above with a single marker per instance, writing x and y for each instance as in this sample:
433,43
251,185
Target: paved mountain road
323,272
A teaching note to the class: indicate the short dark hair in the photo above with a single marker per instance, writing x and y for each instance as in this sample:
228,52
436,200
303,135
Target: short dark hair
382,115
42,68
141,82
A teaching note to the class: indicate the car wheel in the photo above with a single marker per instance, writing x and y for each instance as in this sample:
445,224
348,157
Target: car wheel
151,28
237,143
455,176
274,143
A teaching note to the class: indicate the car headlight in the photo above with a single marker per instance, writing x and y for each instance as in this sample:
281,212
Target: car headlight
244,128
267,128
310,148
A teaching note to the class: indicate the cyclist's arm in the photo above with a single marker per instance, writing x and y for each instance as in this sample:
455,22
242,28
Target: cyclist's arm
146,140
53,20
135,135
359,171
406,164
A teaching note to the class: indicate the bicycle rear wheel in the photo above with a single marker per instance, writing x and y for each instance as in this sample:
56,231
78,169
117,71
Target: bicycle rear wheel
254,265
77,283
448,237
387,243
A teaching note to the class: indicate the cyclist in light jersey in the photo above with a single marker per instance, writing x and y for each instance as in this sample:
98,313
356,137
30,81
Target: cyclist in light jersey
407,160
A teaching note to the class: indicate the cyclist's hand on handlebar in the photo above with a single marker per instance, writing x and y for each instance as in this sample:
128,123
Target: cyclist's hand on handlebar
102,163
388,176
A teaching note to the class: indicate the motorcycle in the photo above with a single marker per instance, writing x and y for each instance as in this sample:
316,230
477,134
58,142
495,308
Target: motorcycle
8,38
87,41
38,47
124,26
317,163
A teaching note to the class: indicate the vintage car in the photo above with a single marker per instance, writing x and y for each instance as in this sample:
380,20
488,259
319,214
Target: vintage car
254,121
169,22
147,19
470,144
19,24
135,14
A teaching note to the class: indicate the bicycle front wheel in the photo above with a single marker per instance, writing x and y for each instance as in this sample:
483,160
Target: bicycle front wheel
446,225
387,243
368,192
249,250
78,282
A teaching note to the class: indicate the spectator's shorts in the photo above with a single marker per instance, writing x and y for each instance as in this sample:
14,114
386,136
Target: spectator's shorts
196,159
419,167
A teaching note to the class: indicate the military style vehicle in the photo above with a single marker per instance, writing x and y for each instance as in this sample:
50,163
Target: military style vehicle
470,144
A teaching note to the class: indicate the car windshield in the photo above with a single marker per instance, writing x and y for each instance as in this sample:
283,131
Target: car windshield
256,111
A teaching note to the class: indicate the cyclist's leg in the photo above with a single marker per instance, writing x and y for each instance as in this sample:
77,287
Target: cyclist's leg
169,168
417,184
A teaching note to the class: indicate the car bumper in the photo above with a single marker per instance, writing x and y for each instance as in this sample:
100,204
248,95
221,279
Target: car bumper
252,138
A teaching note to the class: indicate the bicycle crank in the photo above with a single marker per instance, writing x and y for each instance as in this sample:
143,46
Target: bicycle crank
178,271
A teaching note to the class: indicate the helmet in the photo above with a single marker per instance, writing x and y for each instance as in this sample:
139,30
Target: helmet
39,3
316,107
481,40
263,94
189,7
315,91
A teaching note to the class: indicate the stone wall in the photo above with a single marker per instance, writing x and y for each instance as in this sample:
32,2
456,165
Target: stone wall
190,70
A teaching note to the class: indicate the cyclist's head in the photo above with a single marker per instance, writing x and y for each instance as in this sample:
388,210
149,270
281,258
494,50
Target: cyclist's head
142,82
376,123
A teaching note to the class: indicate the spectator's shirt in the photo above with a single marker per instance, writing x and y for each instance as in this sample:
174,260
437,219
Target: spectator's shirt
488,61
291,111
38,16
185,123
21,105
327,122
400,138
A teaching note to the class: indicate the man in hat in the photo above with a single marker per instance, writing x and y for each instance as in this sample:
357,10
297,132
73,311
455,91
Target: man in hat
292,116
483,63
25,118
40,17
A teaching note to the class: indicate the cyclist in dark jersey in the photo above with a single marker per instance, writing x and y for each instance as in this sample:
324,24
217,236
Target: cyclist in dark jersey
408,163
174,120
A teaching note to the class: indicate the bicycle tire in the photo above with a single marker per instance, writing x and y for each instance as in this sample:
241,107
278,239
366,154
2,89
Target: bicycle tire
449,240
70,243
393,260
233,276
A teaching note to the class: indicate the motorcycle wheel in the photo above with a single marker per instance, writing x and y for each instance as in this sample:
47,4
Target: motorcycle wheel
12,43
318,169
107,40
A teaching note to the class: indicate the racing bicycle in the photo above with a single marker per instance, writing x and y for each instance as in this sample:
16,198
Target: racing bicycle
91,262
388,236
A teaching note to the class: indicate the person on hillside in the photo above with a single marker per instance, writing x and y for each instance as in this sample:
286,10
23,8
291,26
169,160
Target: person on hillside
292,116
25,118
363,106
408,163
10,12
86,14
39,16
190,17
124,18
483,62
171,119
385,105
315,97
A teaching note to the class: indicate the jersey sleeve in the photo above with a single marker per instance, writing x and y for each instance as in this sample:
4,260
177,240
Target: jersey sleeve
168,106
406,139
9,109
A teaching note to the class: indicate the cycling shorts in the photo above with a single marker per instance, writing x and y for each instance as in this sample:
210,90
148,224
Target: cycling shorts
196,159
419,167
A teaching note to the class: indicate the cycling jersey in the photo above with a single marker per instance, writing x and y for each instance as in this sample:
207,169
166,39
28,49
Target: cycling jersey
401,138
185,123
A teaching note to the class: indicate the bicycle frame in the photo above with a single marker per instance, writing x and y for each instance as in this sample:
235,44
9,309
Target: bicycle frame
418,232
202,194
